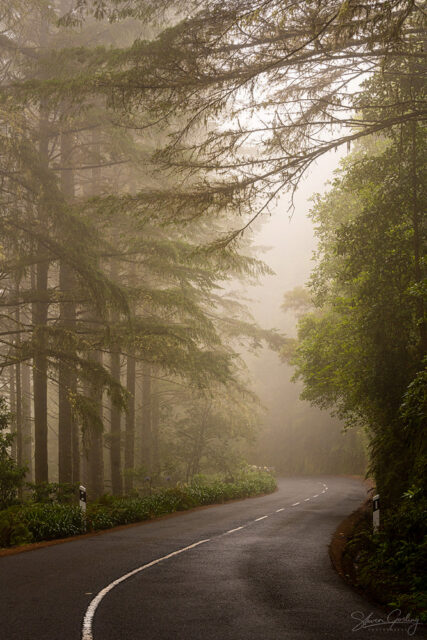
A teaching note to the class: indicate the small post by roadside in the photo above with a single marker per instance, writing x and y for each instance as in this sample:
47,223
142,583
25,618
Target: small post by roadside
376,512
83,501
149,480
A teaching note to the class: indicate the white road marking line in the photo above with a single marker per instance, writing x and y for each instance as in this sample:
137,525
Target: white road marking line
316,495
307,499
90,611
233,530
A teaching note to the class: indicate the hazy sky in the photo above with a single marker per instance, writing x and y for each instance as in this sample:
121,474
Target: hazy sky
291,243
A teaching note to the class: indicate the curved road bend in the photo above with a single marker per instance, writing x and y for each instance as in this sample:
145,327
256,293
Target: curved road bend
251,577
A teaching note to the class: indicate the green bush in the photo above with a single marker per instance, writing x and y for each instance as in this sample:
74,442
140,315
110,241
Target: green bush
52,520
11,475
391,562
49,520
13,531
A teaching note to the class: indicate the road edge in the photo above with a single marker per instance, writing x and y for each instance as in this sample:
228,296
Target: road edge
50,543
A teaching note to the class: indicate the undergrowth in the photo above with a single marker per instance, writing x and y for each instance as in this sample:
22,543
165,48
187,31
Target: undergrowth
390,563
52,519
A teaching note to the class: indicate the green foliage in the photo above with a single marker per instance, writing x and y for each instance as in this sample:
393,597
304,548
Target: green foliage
11,475
129,270
391,562
413,413
206,432
51,520
186,74
48,492
36,522
297,300
13,530
361,351
110,511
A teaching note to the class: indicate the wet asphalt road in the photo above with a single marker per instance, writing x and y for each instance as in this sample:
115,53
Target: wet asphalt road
271,579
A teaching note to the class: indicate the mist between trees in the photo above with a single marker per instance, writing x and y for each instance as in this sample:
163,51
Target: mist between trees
137,147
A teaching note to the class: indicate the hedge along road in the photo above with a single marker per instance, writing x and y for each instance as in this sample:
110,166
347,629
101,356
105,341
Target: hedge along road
249,570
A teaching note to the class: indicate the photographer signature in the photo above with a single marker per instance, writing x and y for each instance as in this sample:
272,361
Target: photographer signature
368,621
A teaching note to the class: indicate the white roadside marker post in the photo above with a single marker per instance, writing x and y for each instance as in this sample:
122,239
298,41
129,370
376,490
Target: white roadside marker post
83,502
376,512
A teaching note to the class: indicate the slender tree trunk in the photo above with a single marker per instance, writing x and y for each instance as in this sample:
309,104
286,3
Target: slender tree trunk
146,435
67,312
84,461
155,422
93,438
12,402
115,432
115,412
75,443
66,383
39,312
18,416
18,384
94,441
27,439
418,270
130,422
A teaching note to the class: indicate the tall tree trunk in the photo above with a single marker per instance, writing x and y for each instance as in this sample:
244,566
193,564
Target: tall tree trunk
66,382
27,439
94,441
130,422
115,412
40,308
18,414
115,431
18,382
155,422
146,439
93,438
418,270
67,311
39,313
12,403
75,442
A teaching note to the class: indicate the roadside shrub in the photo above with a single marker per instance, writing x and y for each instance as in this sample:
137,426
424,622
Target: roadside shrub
11,475
99,518
54,520
13,531
390,563
49,520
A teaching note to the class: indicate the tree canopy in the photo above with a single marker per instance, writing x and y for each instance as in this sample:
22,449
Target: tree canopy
364,346
274,85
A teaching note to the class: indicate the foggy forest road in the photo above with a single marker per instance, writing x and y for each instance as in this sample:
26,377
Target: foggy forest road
251,578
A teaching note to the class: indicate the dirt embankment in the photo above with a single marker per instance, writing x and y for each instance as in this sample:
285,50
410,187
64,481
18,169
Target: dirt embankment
340,560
